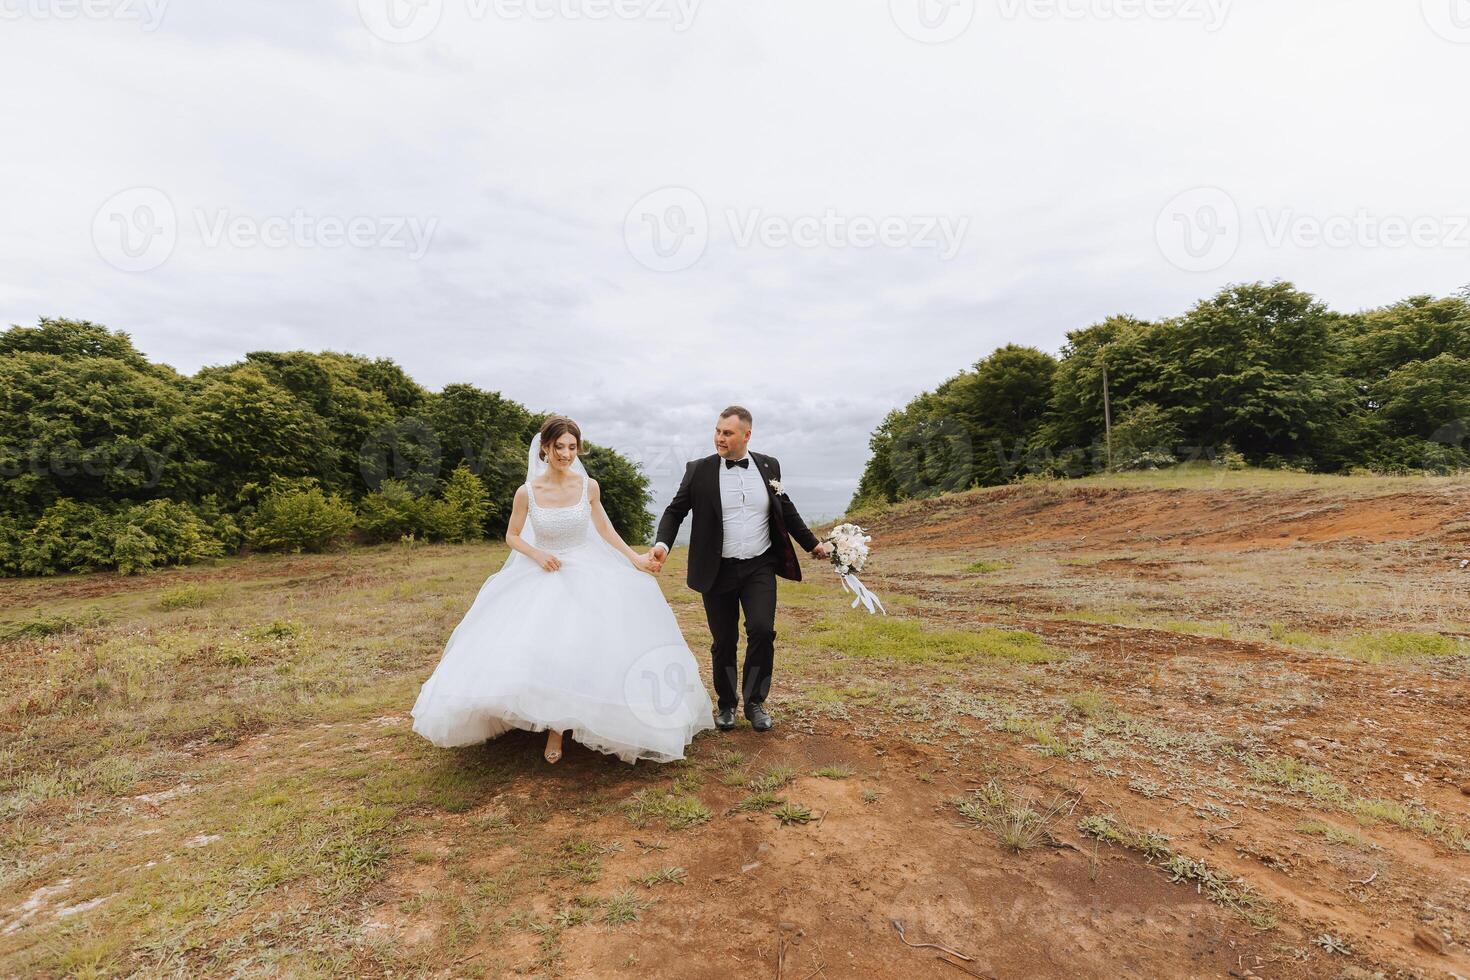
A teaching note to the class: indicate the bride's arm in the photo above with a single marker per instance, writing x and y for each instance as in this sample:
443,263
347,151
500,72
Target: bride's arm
518,511
606,529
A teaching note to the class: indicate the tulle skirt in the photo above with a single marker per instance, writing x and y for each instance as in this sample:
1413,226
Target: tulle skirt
592,648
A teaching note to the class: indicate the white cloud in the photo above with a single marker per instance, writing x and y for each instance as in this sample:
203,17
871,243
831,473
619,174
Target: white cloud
1059,139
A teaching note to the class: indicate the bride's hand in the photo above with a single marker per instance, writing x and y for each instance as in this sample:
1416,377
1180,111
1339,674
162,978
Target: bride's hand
644,563
548,561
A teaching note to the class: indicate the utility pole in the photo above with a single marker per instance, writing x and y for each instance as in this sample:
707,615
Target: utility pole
1108,414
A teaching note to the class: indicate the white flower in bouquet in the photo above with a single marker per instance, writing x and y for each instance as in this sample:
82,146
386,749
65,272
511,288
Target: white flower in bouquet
849,554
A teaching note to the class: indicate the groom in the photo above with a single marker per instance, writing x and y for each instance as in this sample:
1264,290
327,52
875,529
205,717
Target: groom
740,542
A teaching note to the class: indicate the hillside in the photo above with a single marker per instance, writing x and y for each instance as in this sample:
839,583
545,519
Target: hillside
1182,724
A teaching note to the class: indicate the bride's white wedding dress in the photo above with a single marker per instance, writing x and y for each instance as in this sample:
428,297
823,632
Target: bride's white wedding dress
592,648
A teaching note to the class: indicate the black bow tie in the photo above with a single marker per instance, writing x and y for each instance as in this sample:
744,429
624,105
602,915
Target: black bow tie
742,463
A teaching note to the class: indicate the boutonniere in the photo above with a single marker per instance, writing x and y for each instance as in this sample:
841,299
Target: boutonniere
776,486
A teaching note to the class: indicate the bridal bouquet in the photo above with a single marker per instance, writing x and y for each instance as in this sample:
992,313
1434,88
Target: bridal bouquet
849,555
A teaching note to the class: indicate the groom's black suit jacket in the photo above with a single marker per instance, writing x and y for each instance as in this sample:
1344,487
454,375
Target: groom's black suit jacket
700,492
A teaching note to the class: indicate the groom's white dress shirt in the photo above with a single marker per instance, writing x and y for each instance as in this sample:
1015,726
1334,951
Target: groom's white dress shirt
747,511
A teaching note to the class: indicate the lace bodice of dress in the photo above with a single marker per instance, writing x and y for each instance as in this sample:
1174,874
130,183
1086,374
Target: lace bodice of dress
560,528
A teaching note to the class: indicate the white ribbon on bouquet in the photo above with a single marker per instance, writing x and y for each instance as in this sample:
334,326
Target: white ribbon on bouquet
865,595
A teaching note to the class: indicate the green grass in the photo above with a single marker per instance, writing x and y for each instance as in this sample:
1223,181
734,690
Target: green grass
276,630
1043,738
39,627
1088,704
1222,630
187,597
663,876
676,812
759,802
772,779
1300,777
905,641
1017,824
792,813
1297,776
985,566
1390,646
1293,638
1333,834
622,909
834,772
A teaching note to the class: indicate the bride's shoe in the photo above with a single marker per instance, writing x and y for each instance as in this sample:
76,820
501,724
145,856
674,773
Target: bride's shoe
553,746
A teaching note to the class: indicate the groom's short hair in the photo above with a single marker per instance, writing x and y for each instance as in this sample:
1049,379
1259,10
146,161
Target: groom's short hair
743,414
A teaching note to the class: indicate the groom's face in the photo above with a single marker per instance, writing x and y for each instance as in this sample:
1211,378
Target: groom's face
731,437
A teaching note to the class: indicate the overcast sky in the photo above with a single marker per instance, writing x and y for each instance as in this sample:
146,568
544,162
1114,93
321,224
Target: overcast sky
638,211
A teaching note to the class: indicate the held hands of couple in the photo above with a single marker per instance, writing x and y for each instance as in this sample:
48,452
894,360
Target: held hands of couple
656,557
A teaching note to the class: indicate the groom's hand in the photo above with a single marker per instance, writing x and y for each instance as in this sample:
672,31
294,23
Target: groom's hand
657,555
822,550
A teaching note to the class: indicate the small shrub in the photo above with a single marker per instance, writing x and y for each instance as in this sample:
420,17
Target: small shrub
1088,704
186,597
790,813
300,520
393,512
461,513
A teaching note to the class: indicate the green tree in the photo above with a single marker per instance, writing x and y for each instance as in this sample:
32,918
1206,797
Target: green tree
1420,328
488,434
625,493
252,431
89,428
1423,397
1145,437
1000,405
74,339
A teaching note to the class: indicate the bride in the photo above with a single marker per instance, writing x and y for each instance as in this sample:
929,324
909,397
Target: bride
572,634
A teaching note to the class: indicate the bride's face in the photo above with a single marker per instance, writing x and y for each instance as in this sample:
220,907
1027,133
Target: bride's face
561,454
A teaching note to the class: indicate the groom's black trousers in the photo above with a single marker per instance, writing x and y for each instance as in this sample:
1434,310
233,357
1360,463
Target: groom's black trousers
748,584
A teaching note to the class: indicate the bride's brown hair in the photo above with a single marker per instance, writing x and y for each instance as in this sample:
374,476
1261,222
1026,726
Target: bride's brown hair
556,427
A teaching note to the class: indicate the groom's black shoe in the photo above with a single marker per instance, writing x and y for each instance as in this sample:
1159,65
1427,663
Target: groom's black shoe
725,720
759,720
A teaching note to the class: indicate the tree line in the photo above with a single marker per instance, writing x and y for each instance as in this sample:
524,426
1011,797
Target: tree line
1261,374
108,460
